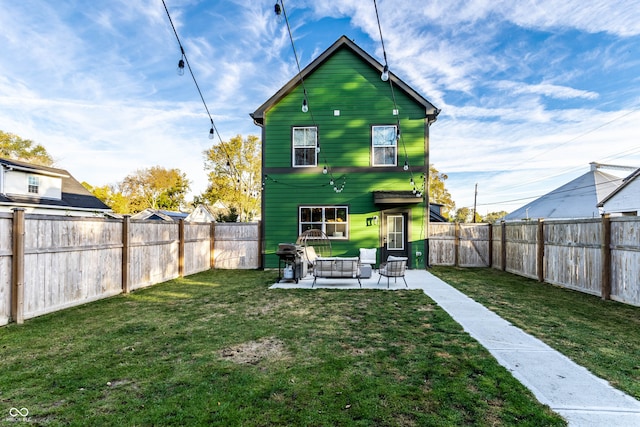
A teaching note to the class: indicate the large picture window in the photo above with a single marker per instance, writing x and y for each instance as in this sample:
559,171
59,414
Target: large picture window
305,143
332,220
384,146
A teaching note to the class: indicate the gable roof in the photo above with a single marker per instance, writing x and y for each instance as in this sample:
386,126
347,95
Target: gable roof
625,182
343,43
74,195
159,215
576,199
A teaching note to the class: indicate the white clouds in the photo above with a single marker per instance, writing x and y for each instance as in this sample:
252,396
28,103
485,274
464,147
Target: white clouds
521,84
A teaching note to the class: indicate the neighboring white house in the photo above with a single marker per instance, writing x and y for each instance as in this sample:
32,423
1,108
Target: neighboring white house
45,190
576,199
624,200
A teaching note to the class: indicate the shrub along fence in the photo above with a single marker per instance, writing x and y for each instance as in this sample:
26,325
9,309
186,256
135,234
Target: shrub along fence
596,256
48,263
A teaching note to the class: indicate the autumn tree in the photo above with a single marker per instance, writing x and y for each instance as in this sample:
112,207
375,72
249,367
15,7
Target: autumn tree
16,148
110,196
438,193
234,175
156,188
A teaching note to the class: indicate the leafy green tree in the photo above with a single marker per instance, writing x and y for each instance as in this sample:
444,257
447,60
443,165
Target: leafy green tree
438,193
156,188
462,215
234,175
16,148
492,217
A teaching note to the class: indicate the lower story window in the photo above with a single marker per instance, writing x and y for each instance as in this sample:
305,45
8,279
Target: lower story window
332,220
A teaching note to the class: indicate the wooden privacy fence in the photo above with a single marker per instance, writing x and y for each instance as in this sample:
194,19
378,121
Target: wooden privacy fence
596,256
48,263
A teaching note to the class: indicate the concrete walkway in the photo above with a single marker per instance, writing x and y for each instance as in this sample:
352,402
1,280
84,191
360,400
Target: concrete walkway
580,397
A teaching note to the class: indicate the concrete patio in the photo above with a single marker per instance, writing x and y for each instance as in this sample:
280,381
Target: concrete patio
580,397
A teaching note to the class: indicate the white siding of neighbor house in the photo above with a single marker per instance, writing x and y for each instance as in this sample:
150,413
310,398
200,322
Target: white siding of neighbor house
17,182
627,200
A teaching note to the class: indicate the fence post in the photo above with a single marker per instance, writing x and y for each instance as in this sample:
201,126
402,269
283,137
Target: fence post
456,243
490,245
125,254
606,257
212,246
181,244
17,267
260,263
503,246
540,250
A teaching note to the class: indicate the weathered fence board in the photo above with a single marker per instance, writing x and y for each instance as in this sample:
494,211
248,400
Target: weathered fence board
474,245
153,253
573,254
442,244
521,248
236,246
5,267
625,260
197,248
69,262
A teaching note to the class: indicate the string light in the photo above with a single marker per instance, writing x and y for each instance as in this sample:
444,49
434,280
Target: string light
385,73
385,77
280,10
180,70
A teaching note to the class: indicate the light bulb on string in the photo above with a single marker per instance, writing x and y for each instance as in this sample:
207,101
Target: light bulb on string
305,106
278,10
211,133
331,182
180,69
406,166
385,73
324,170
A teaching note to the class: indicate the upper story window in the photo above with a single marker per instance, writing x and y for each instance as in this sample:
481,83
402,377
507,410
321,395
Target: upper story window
384,147
305,143
34,184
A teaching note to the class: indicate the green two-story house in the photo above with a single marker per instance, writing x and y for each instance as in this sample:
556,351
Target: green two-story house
346,152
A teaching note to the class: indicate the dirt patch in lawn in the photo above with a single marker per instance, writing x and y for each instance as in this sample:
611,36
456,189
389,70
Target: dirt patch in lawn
252,352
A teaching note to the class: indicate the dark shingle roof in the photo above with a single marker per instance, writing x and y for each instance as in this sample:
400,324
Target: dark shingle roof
74,195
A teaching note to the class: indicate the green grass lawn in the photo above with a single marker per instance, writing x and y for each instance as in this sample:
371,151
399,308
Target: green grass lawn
220,348
603,336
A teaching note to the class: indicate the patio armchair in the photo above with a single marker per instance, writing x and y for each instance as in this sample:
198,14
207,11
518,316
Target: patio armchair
394,267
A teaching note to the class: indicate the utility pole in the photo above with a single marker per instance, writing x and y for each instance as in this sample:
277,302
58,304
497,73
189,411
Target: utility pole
475,198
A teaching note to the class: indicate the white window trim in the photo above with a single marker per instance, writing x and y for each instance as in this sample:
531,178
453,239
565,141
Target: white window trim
30,184
395,146
402,231
324,222
293,147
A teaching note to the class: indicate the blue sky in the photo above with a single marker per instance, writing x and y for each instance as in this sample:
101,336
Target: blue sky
530,91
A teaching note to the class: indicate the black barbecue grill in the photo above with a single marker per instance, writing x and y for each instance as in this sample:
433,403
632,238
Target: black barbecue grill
290,260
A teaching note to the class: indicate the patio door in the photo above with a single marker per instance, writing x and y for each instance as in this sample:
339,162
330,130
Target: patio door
395,236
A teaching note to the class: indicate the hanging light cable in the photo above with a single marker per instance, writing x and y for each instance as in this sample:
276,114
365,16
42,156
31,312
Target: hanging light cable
213,131
281,10
385,77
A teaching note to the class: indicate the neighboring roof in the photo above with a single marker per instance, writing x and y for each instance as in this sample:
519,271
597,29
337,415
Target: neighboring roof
74,195
434,213
576,199
625,182
343,43
159,215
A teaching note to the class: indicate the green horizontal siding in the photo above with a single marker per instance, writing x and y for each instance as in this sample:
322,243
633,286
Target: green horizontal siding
346,83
